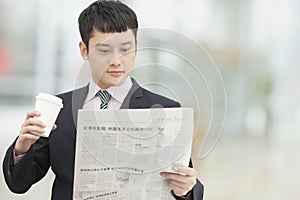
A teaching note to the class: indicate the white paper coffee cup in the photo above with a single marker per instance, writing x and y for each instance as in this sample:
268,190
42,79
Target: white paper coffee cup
49,106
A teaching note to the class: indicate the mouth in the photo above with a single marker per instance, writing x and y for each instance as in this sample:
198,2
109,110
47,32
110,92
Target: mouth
116,73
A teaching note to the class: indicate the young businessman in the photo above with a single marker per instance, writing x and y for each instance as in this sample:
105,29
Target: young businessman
108,30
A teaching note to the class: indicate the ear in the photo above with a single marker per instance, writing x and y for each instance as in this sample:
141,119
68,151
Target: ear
135,47
83,50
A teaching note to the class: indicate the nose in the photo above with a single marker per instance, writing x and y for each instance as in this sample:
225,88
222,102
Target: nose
115,61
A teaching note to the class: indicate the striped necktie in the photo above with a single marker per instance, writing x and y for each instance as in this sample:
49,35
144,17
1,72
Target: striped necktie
104,97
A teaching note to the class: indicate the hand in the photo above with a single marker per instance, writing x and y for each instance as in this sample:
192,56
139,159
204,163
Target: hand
181,184
26,138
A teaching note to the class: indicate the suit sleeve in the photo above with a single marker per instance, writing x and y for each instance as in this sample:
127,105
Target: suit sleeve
198,190
30,169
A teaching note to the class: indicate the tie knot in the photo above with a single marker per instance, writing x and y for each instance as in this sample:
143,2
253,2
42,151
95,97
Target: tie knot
104,97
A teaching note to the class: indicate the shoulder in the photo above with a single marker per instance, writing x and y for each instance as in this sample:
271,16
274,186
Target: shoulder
139,97
159,99
73,98
71,94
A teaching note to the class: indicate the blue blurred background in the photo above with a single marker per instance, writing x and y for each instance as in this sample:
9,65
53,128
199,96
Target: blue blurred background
254,43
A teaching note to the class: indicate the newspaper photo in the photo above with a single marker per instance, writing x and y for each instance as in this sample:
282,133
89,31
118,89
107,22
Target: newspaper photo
120,153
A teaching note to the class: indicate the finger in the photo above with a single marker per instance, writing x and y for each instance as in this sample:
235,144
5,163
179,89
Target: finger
185,170
29,129
178,191
33,113
29,136
54,127
174,176
187,186
177,184
33,122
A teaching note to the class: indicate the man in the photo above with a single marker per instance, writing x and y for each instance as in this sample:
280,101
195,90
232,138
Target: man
108,30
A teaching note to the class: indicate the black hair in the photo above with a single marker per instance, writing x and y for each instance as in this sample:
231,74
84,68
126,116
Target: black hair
106,16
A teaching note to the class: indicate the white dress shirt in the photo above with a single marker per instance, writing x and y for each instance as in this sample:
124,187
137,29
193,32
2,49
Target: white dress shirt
118,94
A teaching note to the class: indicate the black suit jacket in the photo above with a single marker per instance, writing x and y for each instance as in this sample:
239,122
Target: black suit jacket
58,151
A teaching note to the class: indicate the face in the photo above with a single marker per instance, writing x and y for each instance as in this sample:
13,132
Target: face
111,57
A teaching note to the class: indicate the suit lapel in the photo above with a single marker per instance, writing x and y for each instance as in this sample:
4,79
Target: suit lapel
134,96
78,98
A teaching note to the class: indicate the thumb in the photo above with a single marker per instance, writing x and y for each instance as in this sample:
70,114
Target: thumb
54,127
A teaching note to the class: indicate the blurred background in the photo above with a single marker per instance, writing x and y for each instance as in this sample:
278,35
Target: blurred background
254,44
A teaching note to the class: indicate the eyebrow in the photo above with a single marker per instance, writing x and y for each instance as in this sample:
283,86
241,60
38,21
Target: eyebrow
107,45
125,43
101,45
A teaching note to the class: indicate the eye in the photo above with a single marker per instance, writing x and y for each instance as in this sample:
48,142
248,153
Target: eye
124,50
103,51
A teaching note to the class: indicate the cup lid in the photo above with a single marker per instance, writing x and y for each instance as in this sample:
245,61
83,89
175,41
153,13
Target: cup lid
51,98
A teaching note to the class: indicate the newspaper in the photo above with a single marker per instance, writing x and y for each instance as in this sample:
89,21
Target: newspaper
120,153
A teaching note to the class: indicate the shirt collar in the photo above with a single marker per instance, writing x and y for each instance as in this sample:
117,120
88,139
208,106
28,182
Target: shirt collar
118,93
